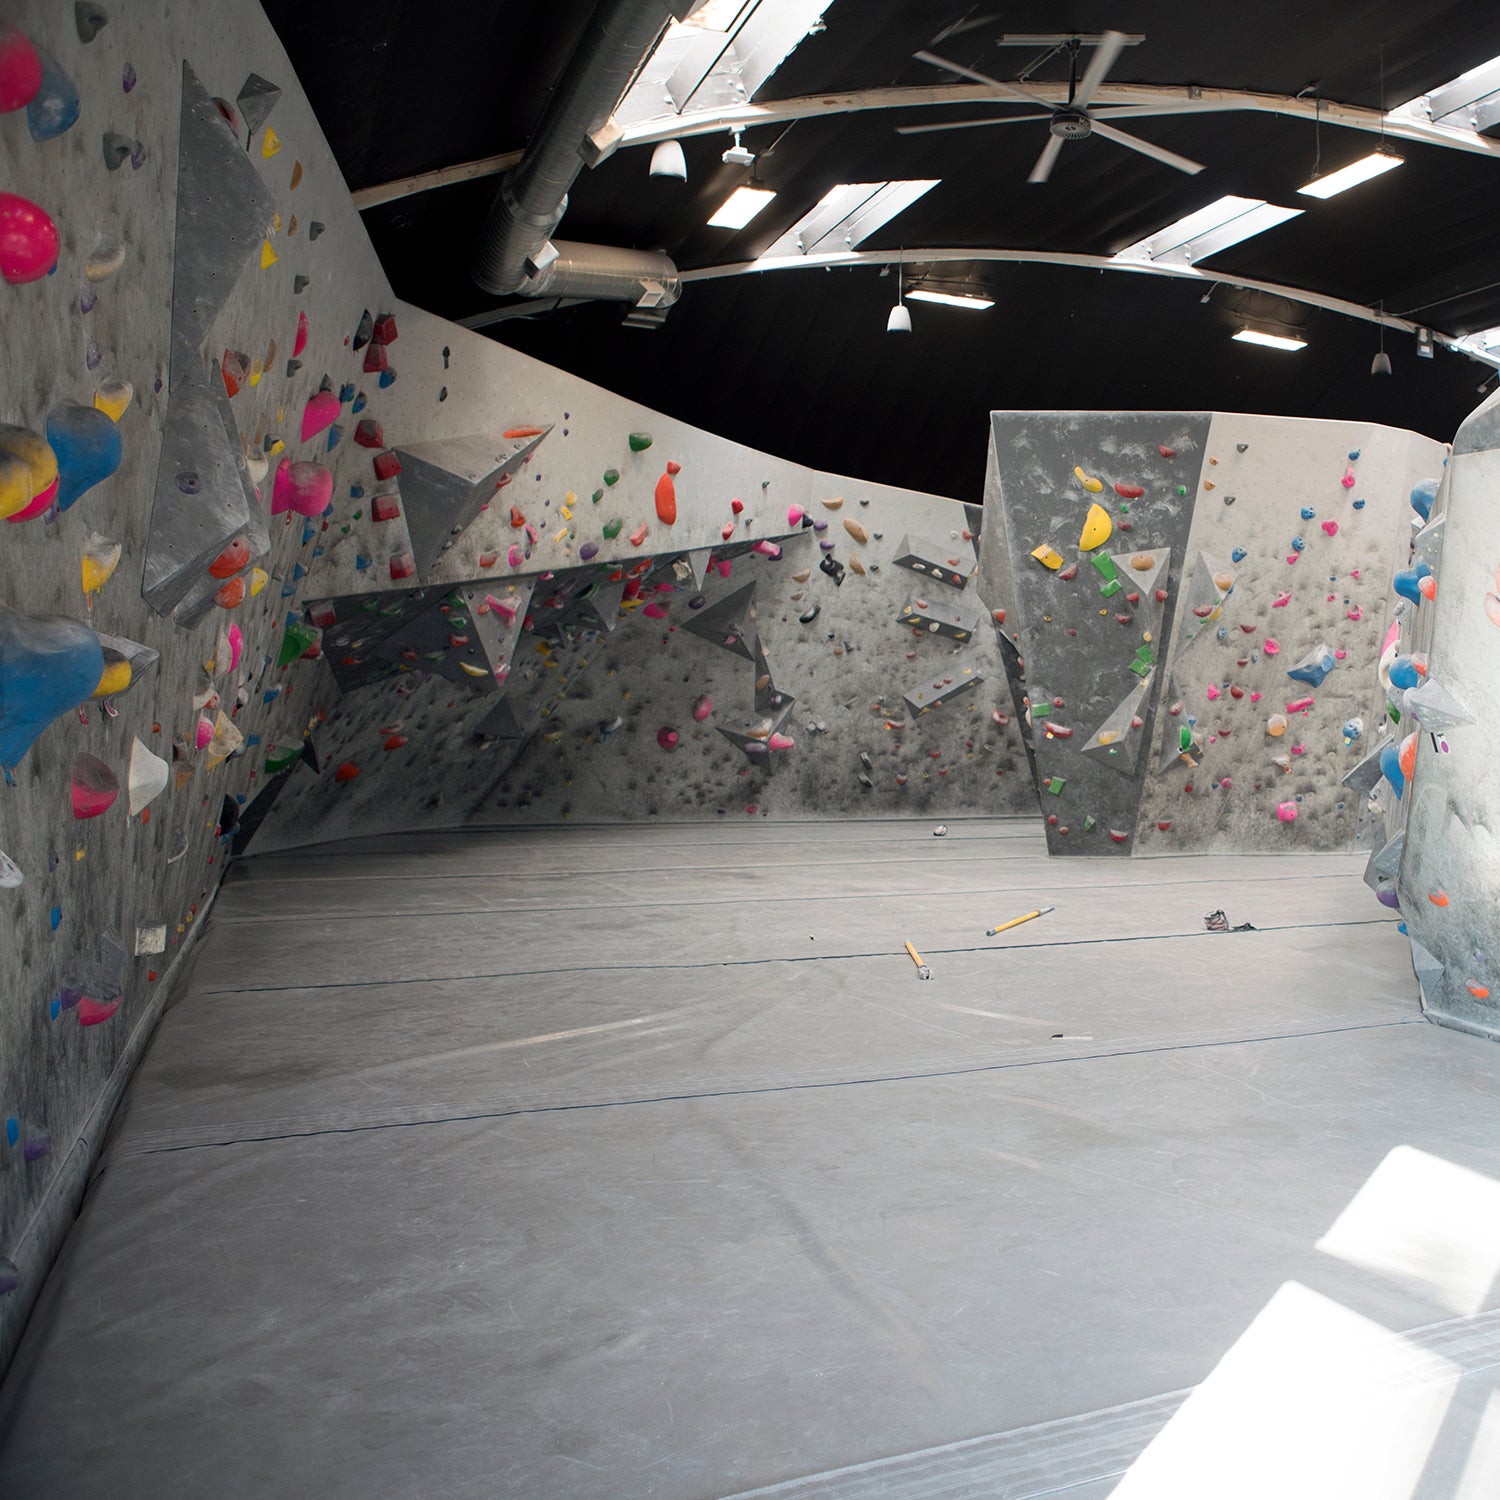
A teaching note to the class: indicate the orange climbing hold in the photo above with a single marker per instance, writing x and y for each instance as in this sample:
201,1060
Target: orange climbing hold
230,560
232,595
1408,756
666,497
1438,897
1479,991
523,432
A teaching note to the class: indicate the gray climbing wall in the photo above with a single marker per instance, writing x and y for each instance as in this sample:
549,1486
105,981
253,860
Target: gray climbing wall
1204,676
1443,853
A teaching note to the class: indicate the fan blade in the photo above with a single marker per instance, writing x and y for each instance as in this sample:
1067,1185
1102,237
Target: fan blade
984,78
1044,163
1111,44
966,124
1135,143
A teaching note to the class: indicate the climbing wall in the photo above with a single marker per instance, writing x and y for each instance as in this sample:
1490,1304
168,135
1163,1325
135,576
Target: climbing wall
1196,603
1431,782
287,558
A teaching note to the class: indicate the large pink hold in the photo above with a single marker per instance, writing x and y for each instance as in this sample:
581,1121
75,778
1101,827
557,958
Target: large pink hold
95,787
794,514
91,1012
204,734
305,488
20,69
320,414
667,738
28,240
702,708
1287,812
1331,528
236,646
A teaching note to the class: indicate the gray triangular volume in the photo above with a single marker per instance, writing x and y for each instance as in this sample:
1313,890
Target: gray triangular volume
444,484
256,99
361,623
974,516
223,213
1207,590
1116,743
1385,862
767,699
1365,777
728,623
757,746
1435,708
605,602
141,658
203,498
501,723
1429,968
698,561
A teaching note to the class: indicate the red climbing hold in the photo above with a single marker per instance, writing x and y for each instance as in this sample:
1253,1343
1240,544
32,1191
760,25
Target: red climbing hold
517,520
638,535
737,506
346,772
395,741
384,331
20,69
1165,451
385,508
375,360
1129,491
300,342
673,467
387,465
666,497
1163,825
369,434
28,240
232,595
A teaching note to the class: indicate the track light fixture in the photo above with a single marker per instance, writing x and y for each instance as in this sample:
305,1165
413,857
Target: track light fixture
1381,364
900,318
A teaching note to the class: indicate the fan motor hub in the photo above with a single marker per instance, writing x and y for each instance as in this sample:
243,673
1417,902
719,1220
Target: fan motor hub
1070,125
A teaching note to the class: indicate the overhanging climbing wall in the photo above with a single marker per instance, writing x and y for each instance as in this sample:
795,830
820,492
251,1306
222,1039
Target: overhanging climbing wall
1197,602
1434,779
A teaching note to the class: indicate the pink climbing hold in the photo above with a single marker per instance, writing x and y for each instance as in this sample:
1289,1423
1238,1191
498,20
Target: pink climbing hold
638,535
1330,528
1282,600
20,69
780,742
668,738
300,342
1213,692
236,638
516,556
1300,705
702,708
91,1012
1272,646
1356,613
794,514
1348,480
767,549
204,734
1339,653
656,611
1287,812
306,488
95,787
320,414
727,530
28,240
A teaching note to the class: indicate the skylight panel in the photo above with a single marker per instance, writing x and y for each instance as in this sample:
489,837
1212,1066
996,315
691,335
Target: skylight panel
847,215
1199,235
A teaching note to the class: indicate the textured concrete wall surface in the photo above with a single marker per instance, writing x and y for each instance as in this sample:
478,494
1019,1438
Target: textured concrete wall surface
1200,669
1441,857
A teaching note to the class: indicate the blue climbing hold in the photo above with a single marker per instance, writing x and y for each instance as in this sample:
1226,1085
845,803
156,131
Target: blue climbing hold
1359,505
1238,555
1298,544
1408,581
88,448
1308,513
54,108
48,664
1404,673
1354,455
1390,768
1423,493
346,393
1313,667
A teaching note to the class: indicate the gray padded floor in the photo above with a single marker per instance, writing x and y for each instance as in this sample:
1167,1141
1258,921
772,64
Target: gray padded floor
615,1163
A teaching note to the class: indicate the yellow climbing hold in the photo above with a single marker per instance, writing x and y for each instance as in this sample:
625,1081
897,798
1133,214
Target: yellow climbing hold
275,223
561,534
268,257
472,670
113,397
277,446
1097,528
101,557
1092,485
115,679
259,578
270,144
1047,556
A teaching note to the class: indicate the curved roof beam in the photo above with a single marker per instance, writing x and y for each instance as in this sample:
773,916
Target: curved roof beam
1135,97
919,257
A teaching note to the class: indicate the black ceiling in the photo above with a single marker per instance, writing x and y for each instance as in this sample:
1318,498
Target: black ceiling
799,363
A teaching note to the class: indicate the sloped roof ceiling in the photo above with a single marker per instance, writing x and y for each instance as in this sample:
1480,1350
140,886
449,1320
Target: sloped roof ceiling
799,362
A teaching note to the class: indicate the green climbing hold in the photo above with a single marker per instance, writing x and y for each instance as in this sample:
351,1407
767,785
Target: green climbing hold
1055,784
282,758
1041,710
1104,564
1089,825
598,496
1110,589
296,641
1182,489
611,476
639,441
612,529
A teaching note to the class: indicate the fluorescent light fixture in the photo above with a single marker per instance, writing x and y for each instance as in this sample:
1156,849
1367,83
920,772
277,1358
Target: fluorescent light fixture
740,207
1352,175
1266,340
1221,224
847,215
948,299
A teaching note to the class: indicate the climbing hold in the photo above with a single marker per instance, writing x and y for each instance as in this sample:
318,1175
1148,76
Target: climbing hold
1069,573
346,773
640,441
89,18
319,414
299,342
795,515
1427,587
1097,529
117,149
1330,528
667,738
1407,756
94,786
101,557
113,397
1092,485
1348,480
858,532
306,488
1048,557
1129,491
146,779
48,665
1423,494
638,535
1407,582
1287,812
702,708
1308,513
20,69
1390,768
1438,897
1313,667
54,107
1276,726
666,500
28,238
611,476
107,256
270,144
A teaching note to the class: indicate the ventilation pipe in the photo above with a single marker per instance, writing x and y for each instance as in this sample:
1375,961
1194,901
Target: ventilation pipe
514,253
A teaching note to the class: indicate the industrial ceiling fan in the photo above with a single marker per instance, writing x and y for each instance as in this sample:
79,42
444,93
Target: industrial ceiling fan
1069,120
